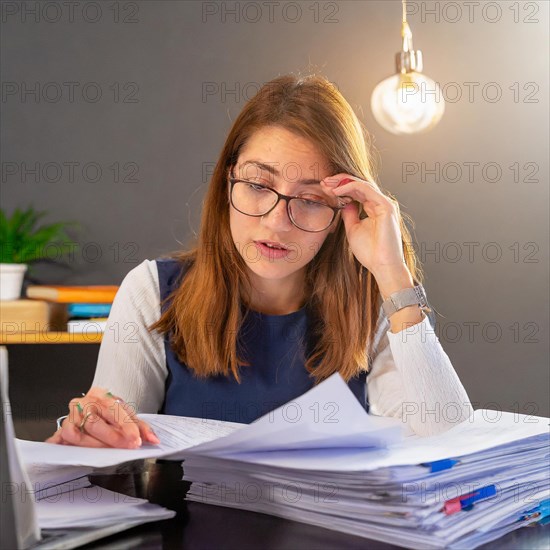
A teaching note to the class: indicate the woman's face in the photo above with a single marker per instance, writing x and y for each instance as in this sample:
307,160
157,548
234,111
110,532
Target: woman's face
293,160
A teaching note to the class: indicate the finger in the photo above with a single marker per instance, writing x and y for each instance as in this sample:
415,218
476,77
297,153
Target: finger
96,433
350,215
55,438
115,411
147,433
72,435
123,416
374,202
110,434
366,187
69,432
338,181
75,407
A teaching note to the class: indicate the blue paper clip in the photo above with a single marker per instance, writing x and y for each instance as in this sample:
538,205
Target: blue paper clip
440,465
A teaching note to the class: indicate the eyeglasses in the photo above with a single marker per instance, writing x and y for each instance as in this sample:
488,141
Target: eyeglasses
254,199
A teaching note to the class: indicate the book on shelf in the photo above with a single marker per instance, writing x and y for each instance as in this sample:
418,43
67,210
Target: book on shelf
88,310
71,294
32,316
94,324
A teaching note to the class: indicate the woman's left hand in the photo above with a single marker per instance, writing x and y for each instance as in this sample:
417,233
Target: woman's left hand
375,241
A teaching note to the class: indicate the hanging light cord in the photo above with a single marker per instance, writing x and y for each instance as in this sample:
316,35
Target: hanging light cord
406,33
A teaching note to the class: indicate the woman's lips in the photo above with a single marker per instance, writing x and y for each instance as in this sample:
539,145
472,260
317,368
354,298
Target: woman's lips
274,244
272,253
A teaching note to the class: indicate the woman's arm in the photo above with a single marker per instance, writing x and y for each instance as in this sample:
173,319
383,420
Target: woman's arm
412,378
131,360
130,372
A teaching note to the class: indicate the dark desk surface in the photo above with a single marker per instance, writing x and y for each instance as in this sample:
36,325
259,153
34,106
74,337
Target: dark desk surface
201,526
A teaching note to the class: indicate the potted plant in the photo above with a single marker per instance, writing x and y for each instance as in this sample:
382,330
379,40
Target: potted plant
22,243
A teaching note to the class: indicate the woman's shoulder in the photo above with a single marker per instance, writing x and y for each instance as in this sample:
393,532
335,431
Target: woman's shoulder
151,271
143,273
151,280
141,284
170,274
170,269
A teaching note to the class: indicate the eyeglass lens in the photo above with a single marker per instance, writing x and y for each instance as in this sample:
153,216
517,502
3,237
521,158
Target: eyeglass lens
256,200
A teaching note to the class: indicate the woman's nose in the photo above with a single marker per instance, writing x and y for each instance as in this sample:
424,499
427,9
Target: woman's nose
278,217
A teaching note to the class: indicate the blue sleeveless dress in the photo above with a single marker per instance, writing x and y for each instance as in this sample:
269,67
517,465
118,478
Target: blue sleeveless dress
276,347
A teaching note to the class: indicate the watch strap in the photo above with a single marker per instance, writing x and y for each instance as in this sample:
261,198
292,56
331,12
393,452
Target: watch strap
404,298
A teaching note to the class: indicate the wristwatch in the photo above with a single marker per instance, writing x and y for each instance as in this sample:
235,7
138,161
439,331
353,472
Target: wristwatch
403,298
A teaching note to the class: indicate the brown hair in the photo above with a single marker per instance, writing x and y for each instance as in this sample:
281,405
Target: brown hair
204,315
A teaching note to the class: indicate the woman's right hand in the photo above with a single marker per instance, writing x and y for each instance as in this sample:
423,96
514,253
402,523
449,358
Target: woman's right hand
101,419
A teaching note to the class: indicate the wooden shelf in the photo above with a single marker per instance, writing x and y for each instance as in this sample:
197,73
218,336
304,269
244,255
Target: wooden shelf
51,338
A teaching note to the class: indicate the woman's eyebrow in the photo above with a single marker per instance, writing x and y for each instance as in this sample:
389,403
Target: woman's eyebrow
273,171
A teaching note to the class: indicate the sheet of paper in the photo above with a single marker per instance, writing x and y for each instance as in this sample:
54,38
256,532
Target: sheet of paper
53,491
175,433
326,416
96,506
42,475
482,431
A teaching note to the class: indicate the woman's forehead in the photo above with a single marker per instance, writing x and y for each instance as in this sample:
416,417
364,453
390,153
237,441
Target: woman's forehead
290,171
272,145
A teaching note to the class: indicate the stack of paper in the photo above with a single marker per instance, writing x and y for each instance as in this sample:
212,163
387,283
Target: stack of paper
472,484
46,480
55,505
59,478
322,460
65,499
94,506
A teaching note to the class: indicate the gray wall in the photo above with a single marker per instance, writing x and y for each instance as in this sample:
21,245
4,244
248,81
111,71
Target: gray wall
174,67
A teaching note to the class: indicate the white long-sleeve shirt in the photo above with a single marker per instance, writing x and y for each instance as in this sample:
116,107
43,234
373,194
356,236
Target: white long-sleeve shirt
411,376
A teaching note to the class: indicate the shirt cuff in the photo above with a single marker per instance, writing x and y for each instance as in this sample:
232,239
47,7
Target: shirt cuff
417,334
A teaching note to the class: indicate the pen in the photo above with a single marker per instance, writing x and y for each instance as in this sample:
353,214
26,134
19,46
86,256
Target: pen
465,502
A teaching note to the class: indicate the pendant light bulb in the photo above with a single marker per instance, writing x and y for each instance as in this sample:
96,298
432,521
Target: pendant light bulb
408,102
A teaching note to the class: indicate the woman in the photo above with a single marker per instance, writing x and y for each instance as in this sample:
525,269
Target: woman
297,250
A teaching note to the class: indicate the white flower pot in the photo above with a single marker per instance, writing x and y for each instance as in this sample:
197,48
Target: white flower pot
11,280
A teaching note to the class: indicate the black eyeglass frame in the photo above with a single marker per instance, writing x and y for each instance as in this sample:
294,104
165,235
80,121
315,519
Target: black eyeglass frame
287,198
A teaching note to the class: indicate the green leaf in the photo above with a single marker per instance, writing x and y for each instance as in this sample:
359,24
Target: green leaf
3,227
28,221
21,241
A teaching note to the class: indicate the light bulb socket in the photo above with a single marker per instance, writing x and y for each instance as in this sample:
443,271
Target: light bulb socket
407,62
